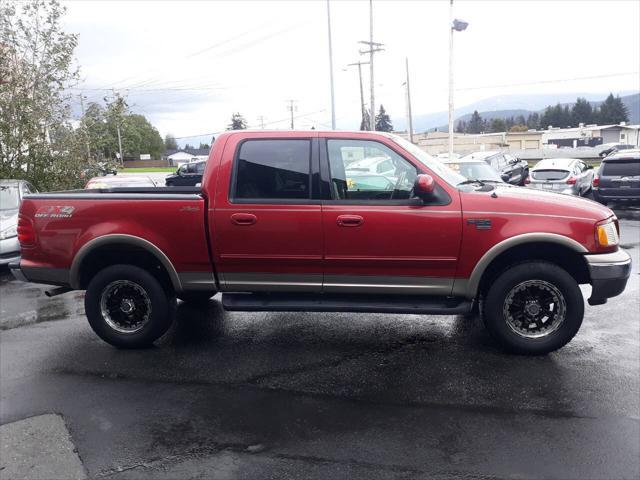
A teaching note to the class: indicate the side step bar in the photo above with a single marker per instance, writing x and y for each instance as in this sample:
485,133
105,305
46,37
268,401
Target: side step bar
265,302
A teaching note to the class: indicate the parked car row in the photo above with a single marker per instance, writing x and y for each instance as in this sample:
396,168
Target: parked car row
617,179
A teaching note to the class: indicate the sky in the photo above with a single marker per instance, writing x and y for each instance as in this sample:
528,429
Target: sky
188,65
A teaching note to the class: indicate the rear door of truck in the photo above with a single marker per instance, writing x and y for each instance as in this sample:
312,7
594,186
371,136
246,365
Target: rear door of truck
267,220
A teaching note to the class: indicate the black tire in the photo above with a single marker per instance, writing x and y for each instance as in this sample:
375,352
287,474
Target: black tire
135,289
169,184
196,297
523,180
538,282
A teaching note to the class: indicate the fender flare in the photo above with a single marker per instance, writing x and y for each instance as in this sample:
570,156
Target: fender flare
468,288
90,246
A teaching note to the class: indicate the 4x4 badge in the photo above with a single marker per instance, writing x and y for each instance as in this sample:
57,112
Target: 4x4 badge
480,223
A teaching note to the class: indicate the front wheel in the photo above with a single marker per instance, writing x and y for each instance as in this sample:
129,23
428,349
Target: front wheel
128,307
533,308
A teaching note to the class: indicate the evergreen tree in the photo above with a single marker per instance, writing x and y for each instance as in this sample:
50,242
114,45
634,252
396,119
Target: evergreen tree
204,146
581,112
170,142
533,120
497,125
461,127
612,111
475,123
383,122
237,122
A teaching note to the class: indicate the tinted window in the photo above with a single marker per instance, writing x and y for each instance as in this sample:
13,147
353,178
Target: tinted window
353,177
273,169
622,168
200,167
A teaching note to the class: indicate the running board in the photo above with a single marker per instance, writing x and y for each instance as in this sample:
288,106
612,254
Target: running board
270,302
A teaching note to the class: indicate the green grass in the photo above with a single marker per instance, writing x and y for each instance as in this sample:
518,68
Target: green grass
148,170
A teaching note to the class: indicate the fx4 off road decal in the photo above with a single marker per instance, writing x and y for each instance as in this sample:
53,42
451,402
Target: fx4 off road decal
51,211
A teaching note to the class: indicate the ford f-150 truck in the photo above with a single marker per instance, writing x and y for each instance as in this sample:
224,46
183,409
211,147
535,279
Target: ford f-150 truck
282,223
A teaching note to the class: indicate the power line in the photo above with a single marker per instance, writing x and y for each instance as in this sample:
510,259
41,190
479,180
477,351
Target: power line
609,75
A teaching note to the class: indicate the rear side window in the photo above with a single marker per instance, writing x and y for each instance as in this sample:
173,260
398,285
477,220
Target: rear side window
273,170
549,174
622,168
200,167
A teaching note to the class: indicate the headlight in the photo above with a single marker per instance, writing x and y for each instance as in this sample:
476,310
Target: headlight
607,234
10,232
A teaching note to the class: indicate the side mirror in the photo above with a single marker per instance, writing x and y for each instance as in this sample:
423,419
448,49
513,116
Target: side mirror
424,186
505,177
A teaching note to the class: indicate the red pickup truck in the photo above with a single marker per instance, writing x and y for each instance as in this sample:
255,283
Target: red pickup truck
326,221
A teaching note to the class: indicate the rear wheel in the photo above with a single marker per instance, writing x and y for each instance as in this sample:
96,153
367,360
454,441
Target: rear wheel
128,307
533,308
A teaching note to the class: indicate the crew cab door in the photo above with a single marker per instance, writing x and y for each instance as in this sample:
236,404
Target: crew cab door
379,238
268,225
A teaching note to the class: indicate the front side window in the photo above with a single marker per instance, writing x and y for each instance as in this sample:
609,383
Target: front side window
200,167
379,173
273,170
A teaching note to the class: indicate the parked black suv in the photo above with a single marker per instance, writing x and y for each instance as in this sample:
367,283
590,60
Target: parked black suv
511,169
187,175
618,178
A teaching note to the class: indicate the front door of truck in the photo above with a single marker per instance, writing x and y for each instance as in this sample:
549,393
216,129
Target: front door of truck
379,238
267,231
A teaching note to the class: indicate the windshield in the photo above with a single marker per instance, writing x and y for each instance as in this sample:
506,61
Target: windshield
9,197
475,171
448,175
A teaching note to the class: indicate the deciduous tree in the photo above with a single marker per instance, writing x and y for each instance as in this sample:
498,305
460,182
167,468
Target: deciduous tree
37,69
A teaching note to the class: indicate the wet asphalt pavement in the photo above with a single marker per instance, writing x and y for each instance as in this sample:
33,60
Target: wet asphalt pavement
287,395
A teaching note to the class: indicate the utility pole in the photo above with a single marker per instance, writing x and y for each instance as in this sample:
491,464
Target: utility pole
86,135
333,101
362,106
373,48
409,116
291,108
118,130
261,118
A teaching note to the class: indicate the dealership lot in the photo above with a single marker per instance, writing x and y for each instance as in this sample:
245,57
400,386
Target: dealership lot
279,395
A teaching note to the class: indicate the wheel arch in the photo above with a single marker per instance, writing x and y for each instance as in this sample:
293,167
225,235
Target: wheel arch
113,242
528,246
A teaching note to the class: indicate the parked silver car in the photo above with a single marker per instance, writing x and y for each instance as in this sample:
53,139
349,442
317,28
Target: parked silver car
563,175
11,193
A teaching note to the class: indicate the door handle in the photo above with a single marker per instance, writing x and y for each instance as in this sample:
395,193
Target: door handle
349,220
243,219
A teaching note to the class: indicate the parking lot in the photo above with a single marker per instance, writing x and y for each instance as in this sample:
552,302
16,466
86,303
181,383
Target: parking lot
287,395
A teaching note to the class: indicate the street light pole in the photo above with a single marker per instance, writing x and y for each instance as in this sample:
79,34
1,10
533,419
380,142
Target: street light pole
458,26
333,102
409,116
450,79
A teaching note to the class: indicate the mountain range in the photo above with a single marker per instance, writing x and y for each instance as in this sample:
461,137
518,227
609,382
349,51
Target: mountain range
506,106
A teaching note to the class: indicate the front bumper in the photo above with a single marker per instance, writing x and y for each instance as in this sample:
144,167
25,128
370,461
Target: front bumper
609,273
